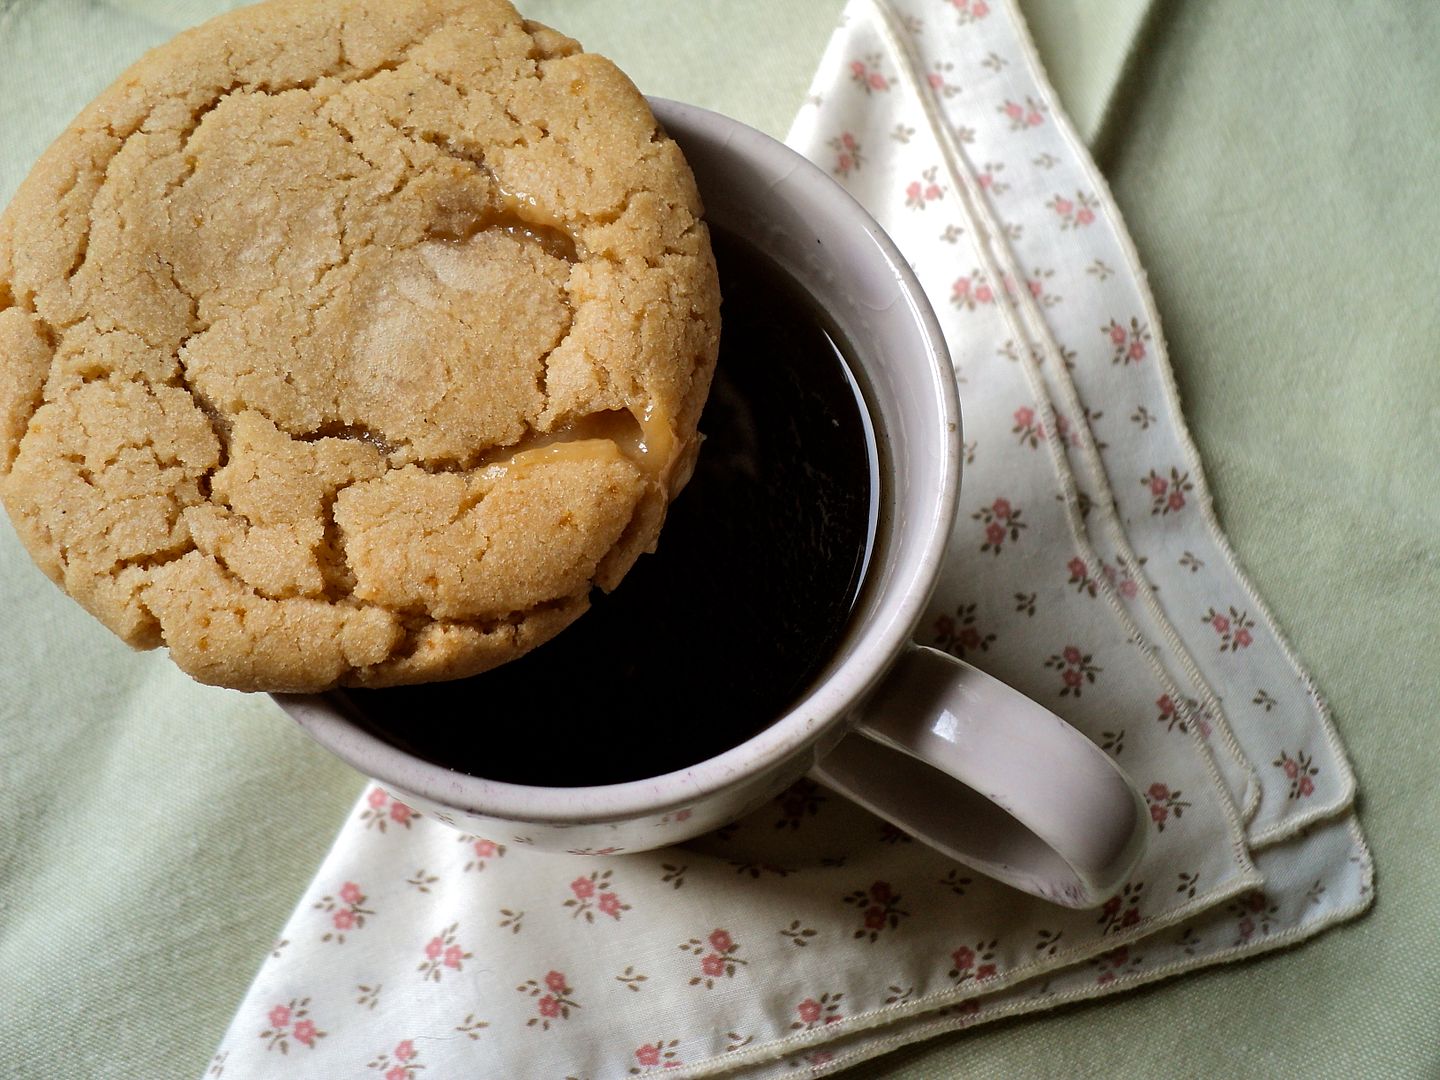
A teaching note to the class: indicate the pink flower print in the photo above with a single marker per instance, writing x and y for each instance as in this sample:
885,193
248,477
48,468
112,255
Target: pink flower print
961,287
935,79
377,798
280,1016
346,910
812,1012
1234,630
974,963
848,158
404,1051
375,817
585,901
1033,119
1123,909
1111,908
1246,927
968,11
925,190
808,1010
1128,588
648,1055
484,849
1130,918
555,999
1076,566
718,957
398,1072
1075,212
443,944
979,9
969,638
1128,342
1037,288
1001,519
1158,484
350,893
958,639
1028,114
343,919
1300,771
305,1032
880,909
984,294
1076,667
875,918
1164,804
1025,416
866,74
1013,110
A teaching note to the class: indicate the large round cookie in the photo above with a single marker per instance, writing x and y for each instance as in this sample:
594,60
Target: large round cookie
352,341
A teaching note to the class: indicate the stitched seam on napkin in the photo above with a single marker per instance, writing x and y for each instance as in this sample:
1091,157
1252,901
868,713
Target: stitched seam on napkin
967,190
1292,824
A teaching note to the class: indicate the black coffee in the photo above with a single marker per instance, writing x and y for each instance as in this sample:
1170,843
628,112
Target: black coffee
720,631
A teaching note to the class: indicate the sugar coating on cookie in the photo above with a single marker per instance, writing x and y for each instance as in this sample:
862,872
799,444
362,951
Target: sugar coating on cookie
352,342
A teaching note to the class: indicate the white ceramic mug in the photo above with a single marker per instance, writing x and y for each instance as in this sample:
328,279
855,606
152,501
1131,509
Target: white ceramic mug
925,741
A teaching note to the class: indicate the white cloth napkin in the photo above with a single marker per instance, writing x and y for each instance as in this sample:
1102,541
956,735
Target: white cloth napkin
1086,569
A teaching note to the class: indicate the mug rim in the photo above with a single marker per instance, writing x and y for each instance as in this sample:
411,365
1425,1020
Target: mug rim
830,701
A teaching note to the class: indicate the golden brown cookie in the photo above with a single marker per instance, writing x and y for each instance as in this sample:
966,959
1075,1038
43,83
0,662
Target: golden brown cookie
352,341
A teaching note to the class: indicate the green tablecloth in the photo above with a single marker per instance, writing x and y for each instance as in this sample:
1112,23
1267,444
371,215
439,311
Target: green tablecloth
1276,164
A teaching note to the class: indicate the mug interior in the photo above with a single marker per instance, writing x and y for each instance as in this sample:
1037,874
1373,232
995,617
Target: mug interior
761,191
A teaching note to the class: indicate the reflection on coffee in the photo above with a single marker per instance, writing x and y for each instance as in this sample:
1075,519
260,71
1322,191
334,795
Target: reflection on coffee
726,626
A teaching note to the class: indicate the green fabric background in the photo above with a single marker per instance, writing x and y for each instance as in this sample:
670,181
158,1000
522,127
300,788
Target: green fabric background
1277,166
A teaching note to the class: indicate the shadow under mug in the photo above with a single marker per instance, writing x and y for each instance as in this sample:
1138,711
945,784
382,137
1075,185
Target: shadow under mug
925,741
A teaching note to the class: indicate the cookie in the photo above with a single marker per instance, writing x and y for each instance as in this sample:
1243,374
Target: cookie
352,342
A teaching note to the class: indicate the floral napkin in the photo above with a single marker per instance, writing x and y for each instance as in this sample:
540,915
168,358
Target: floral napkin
1086,569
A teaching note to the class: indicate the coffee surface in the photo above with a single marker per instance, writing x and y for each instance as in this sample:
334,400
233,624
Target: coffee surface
730,621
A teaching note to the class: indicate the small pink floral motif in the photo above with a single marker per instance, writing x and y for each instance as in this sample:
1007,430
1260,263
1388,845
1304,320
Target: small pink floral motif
938,79
595,893
555,999
1122,910
800,800
1112,964
867,74
377,816
1035,285
969,292
1028,429
1128,344
1001,520
717,957
1121,579
1300,770
1254,912
660,1052
988,177
291,1021
1076,669
918,193
1167,495
969,11
482,851
958,635
1169,713
848,158
817,1012
1164,804
346,913
1234,629
1080,576
975,963
442,951
1027,115
1075,213
401,1063
880,907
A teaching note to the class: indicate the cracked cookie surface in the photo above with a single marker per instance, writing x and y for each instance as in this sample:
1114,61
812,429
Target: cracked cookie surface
352,342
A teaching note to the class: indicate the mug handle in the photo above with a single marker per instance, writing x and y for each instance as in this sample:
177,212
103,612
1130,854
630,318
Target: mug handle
990,778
